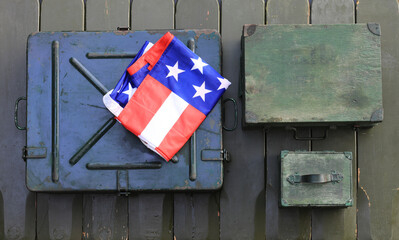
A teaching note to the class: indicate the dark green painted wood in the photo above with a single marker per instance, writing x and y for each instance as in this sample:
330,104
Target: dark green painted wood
102,15
194,14
312,74
287,11
105,216
378,151
151,216
59,216
152,14
60,15
327,223
333,11
17,205
284,223
242,200
196,215
336,223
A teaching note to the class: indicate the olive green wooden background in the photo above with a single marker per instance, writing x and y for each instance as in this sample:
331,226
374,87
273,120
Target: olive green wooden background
247,206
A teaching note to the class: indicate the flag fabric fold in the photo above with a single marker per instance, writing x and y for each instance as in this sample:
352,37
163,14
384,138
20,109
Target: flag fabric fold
165,94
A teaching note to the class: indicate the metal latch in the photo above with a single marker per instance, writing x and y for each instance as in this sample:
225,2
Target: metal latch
122,183
34,152
215,155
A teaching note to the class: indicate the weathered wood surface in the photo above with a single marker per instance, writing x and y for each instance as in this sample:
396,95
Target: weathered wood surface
152,14
341,223
242,200
196,215
105,216
287,12
17,205
378,176
102,15
59,216
151,214
60,15
284,223
333,11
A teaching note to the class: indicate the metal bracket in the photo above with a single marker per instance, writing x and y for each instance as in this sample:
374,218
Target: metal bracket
333,177
215,155
34,152
122,182
308,138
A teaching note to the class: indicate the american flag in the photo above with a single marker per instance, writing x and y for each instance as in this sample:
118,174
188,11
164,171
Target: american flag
165,94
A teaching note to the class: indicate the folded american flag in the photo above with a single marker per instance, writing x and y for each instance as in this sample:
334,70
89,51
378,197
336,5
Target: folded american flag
165,94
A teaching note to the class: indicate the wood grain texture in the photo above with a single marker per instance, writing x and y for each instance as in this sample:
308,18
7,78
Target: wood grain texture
152,14
378,151
151,216
17,205
60,15
336,223
333,11
196,215
105,216
59,216
242,200
287,11
194,14
102,15
341,223
283,223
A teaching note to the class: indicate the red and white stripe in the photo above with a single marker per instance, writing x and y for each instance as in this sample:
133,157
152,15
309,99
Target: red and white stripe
166,121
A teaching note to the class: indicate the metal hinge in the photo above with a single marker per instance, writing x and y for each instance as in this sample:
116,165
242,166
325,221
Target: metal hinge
33,152
215,155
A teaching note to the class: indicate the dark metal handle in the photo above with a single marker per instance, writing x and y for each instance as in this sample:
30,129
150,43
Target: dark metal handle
315,178
308,138
16,113
235,114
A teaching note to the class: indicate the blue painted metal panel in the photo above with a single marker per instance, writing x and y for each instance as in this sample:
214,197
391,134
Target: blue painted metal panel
118,160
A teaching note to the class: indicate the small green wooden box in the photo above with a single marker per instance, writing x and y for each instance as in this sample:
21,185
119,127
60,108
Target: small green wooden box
318,75
316,179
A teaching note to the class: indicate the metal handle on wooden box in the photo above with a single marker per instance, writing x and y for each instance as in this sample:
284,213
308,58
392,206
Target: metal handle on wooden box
316,178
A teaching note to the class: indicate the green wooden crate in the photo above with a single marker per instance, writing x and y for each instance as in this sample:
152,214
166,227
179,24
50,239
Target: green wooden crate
312,74
316,179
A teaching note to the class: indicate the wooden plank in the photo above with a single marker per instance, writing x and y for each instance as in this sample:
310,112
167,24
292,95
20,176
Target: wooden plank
102,15
333,11
194,14
242,200
282,223
105,216
57,15
378,151
151,214
152,14
196,214
287,12
17,205
336,223
60,215
327,223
